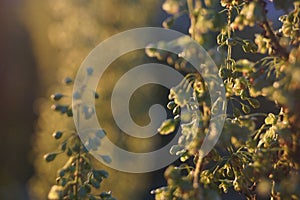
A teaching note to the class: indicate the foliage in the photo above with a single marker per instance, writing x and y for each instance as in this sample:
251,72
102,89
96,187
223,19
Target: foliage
63,32
258,160
77,177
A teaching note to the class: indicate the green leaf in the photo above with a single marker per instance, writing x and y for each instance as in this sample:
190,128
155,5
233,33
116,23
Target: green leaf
61,172
168,23
224,72
177,150
244,65
105,194
67,80
63,146
60,108
99,174
246,108
82,192
151,50
69,112
176,110
56,96
87,188
171,105
184,157
221,39
69,152
95,183
271,119
249,46
57,134
50,157
167,127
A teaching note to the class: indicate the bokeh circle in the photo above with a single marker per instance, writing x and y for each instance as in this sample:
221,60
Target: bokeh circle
93,67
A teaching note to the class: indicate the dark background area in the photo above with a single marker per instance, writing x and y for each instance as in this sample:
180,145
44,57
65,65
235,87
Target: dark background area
18,81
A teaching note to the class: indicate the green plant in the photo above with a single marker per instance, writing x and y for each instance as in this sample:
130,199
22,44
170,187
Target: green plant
258,161
77,178
72,28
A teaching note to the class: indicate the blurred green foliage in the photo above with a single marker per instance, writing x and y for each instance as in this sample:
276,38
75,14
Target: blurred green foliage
63,33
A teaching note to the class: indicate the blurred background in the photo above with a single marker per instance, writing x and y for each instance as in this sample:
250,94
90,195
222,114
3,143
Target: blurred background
42,42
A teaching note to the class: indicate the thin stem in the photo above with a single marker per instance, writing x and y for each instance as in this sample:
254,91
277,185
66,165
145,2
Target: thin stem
77,174
192,17
270,33
197,171
229,50
273,190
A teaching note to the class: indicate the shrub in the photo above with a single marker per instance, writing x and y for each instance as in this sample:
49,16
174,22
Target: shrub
256,159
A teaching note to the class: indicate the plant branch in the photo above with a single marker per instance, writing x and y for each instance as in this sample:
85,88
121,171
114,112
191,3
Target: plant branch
229,50
269,33
77,174
282,52
192,17
197,171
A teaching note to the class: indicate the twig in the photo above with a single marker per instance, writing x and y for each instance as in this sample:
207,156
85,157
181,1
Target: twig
77,174
270,33
197,171
192,17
